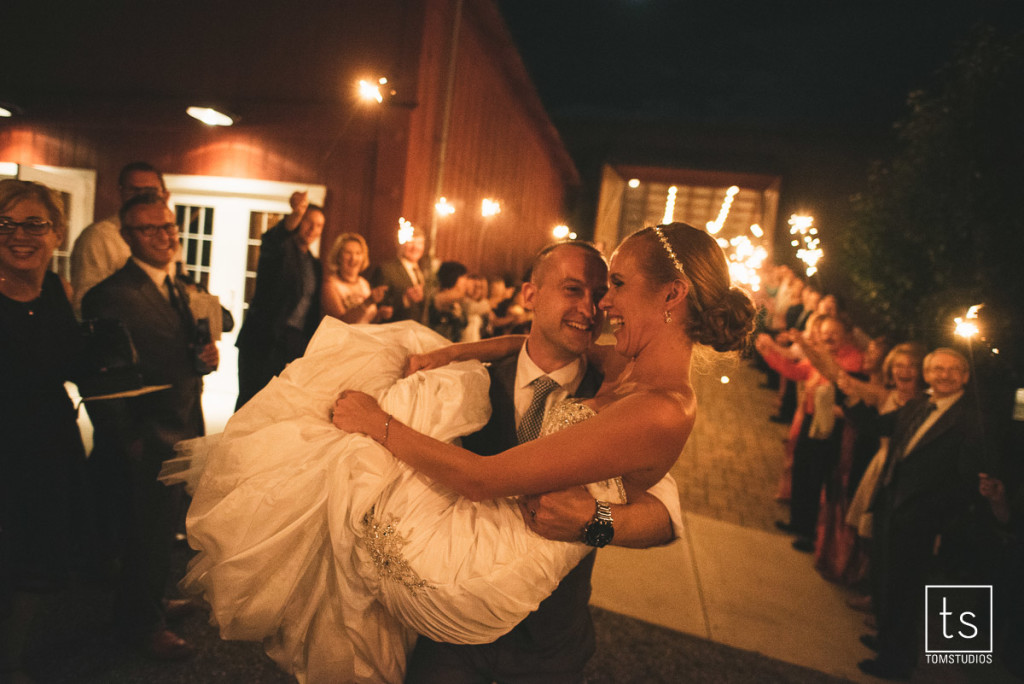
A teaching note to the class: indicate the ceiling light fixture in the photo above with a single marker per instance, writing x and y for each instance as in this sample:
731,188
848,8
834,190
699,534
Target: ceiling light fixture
210,116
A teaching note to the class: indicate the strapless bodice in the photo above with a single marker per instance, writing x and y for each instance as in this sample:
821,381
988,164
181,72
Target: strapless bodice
569,412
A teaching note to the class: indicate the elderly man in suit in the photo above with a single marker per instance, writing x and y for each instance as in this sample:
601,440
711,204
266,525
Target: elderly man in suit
285,308
554,643
133,436
930,477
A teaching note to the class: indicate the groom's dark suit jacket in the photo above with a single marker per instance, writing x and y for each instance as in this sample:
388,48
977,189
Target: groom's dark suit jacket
559,635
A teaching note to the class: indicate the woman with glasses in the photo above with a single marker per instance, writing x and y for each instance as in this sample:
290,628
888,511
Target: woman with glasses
42,459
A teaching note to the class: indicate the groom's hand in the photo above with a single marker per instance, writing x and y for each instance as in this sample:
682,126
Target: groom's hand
561,515
433,359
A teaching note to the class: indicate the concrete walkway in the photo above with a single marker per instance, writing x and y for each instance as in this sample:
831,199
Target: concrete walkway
733,579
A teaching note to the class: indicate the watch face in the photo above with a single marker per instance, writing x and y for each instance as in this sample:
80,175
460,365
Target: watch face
599,533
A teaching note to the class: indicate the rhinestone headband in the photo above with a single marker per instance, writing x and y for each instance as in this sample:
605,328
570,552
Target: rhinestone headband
675,262
668,248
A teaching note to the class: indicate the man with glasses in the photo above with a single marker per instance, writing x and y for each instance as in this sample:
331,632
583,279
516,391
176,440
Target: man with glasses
133,436
99,250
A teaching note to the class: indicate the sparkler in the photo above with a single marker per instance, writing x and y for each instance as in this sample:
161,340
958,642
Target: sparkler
806,241
406,231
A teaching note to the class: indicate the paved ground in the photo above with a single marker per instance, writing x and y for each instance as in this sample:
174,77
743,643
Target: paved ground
731,465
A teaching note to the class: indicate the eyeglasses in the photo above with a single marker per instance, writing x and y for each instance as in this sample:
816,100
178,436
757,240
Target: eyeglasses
151,230
33,227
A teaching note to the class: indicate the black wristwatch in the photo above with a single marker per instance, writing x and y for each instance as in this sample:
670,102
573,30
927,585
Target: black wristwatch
600,530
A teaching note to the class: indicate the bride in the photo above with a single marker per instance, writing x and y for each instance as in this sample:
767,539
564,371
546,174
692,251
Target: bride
318,542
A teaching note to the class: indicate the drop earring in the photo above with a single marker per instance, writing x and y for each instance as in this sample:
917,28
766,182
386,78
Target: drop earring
668,316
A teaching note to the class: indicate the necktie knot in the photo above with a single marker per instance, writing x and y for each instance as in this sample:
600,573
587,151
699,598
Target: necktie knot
529,426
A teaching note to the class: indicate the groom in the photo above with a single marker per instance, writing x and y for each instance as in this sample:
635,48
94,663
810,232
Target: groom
553,644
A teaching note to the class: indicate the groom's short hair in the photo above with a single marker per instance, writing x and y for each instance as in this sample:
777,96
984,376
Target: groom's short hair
539,267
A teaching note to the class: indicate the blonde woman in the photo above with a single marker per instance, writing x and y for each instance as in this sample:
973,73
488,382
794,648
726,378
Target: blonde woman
347,295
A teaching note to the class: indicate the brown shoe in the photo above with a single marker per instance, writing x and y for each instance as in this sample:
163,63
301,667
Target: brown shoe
166,645
176,609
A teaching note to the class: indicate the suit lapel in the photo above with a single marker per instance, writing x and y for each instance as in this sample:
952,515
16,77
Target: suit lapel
155,299
947,420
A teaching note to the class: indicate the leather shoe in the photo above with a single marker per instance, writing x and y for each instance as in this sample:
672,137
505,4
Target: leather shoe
785,527
166,645
876,667
803,544
870,640
176,609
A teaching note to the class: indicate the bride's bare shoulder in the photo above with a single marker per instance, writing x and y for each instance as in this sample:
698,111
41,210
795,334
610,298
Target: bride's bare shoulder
655,406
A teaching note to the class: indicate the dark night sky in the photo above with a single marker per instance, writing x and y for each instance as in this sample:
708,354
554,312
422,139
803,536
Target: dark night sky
787,63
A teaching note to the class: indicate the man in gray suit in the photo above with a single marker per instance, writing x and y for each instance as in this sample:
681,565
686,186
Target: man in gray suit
133,436
554,643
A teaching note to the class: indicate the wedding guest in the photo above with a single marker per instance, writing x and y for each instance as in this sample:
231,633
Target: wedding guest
839,556
817,445
285,308
930,477
42,460
99,249
445,313
510,316
134,436
477,309
409,284
346,294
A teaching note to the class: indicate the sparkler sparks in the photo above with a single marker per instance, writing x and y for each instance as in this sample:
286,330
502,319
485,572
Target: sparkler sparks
806,241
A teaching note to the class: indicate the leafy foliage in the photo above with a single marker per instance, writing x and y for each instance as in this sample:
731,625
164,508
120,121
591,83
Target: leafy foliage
940,226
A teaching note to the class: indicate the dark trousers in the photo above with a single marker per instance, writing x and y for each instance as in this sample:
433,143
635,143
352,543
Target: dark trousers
902,558
813,461
144,514
258,364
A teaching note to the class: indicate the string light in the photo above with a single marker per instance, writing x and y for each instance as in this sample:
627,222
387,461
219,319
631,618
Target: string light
490,207
634,183
210,116
371,91
443,208
723,212
560,232
670,205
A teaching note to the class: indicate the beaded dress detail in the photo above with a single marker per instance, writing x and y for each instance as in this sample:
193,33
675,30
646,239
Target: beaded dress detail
569,412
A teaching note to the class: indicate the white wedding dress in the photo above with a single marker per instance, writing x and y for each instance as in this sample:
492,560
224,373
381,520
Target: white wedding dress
335,554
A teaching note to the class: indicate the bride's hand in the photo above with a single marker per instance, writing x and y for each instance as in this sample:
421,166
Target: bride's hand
358,412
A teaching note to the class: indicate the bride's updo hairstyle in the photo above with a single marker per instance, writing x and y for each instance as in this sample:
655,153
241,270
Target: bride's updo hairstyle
718,314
